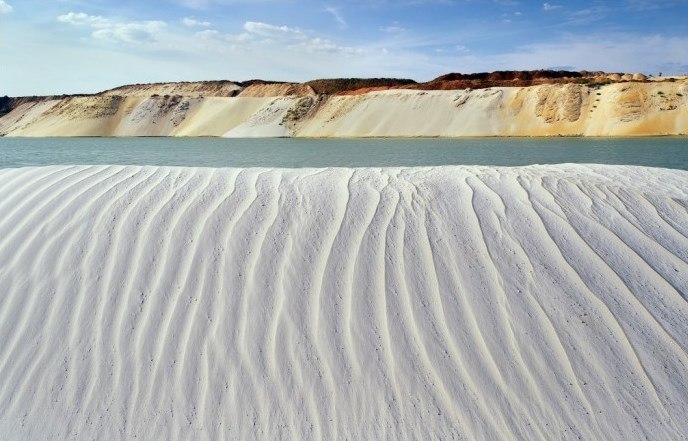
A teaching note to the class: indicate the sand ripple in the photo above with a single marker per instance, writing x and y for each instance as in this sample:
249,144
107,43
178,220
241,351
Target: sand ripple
446,303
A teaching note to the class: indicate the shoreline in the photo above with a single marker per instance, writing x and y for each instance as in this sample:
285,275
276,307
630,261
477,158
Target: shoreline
334,138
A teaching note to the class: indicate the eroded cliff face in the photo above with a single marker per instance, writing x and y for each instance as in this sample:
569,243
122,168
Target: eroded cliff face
195,89
626,108
621,109
560,103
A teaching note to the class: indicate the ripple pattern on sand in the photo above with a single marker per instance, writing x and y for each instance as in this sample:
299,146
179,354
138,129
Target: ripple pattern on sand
543,302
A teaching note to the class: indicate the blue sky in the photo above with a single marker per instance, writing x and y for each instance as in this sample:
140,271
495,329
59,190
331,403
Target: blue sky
70,46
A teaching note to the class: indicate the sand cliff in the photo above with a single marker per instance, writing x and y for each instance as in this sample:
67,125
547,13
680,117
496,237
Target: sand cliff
259,109
481,303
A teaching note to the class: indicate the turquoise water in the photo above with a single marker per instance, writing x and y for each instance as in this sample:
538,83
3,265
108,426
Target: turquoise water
669,152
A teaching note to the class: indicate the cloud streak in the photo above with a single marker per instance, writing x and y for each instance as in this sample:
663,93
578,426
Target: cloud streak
338,17
115,31
83,19
266,37
272,31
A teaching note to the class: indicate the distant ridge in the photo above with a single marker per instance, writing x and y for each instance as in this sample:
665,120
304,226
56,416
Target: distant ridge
454,80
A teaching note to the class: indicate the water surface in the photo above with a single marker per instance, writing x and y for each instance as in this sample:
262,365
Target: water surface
668,152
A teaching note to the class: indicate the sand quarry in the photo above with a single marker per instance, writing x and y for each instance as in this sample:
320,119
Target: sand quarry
624,108
478,303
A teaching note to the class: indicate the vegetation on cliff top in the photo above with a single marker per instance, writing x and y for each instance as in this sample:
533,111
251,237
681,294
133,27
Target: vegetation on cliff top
339,85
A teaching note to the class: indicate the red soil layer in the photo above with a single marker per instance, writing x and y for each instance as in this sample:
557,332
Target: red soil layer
458,81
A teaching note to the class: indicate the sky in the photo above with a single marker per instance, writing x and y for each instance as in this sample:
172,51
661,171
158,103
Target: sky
79,46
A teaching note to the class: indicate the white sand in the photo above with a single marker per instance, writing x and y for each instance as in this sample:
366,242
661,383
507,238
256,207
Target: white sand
546,302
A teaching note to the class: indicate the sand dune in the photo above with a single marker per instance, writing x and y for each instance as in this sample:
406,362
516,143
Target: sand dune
270,110
545,302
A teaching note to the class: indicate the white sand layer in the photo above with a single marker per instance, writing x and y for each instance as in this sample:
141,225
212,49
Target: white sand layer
545,302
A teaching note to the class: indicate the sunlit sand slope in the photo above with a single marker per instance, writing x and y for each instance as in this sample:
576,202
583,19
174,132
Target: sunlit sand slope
456,302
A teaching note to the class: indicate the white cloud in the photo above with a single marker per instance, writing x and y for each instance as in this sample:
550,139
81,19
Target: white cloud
5,8
80,19
549,7
272,31
208,34
131,33
320,45
265,38
338,17
114,31
192,22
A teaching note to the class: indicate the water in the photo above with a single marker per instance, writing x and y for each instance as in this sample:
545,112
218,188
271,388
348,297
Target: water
668,152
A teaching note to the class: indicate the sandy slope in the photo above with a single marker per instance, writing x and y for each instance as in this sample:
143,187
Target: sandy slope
546,302
132,116
269,110
623,109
